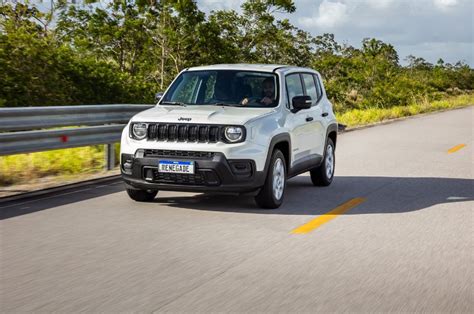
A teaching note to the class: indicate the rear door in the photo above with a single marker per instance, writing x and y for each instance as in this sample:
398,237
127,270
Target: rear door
301,132
314,116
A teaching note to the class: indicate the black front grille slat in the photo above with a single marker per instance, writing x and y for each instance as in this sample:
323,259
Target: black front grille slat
162,132
213,134
203,133
184,132
152,131
172,132
193,133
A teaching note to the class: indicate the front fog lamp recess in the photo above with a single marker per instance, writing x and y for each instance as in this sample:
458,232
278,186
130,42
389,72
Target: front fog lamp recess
233,134
139,130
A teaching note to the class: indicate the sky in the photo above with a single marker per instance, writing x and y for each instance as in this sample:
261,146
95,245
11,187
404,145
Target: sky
430,29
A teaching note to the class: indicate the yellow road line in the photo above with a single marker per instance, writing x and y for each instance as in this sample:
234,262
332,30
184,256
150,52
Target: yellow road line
456,148
324,218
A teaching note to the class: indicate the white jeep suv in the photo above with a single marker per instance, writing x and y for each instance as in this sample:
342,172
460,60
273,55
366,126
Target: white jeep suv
232,128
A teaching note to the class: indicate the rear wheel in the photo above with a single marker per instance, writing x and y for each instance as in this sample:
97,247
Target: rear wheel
323,175
142,195
272,193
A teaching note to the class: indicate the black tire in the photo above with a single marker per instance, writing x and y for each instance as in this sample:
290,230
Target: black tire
266,197
141,195
319,175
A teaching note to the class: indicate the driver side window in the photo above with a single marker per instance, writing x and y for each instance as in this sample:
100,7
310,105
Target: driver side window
293,87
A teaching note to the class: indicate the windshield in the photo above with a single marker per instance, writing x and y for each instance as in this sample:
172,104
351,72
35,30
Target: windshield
223,88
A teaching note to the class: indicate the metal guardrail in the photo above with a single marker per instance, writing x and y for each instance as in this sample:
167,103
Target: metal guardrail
22,129
28,118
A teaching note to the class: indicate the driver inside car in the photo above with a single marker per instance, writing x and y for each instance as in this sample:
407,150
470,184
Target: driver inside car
268,93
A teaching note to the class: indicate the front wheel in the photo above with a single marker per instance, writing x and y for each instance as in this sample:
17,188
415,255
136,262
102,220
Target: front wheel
323,175
142,195
272,193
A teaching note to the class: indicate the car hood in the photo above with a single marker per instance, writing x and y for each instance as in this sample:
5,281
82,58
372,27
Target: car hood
200,114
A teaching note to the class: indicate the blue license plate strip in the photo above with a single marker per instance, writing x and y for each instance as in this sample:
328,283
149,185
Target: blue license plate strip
173,166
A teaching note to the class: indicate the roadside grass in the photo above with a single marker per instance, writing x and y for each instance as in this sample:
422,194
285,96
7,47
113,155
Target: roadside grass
22,168
360,117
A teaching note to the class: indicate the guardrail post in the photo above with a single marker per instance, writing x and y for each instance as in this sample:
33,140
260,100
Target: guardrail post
109,157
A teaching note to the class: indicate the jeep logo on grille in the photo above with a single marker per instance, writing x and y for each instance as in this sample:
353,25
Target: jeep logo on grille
184,119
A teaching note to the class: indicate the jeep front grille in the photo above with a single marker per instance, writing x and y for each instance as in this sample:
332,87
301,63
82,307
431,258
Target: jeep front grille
184,132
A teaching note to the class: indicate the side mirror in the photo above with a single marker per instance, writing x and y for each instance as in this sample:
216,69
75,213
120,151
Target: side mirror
301,102
158,96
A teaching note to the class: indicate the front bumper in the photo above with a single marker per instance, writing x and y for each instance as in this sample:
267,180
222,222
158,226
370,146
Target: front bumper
213,173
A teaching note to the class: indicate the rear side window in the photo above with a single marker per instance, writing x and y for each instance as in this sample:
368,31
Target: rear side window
310,87
318,85
293,87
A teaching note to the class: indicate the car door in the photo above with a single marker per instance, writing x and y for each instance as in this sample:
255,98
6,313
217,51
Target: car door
300,131
314,116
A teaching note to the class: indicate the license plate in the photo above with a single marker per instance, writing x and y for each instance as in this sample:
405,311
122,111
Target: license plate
169,166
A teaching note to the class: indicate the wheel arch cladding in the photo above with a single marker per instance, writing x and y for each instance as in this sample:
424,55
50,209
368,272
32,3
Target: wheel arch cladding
283,143
284,147
332,133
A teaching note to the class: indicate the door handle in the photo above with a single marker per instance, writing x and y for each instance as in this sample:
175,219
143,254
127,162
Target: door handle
325,114
308,119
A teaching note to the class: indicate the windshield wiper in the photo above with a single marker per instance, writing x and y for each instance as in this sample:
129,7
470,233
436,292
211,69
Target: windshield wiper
225,105
173,103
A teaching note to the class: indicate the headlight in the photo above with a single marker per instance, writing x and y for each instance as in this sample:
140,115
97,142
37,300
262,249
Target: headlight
139,130
233,134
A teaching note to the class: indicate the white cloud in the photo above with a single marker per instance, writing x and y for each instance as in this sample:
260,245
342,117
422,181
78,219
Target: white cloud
445,4
379,4
330,14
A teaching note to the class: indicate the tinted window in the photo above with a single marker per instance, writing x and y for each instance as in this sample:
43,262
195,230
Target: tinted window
318,85
228,87
186,89
310,87
293,86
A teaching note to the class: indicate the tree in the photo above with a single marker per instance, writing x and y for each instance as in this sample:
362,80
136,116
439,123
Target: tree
77,52
376,48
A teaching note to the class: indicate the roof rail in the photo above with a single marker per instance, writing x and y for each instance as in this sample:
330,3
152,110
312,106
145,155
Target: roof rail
280,67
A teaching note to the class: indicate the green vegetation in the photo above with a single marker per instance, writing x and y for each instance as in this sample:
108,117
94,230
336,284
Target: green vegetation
123,51
360,117
23,168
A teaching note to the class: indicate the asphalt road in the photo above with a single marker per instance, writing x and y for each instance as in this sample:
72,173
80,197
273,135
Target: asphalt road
407,246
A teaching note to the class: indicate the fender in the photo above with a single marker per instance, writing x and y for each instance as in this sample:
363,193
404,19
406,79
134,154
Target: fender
331,128
279,138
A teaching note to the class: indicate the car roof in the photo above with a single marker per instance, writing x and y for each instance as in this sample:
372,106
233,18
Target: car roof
241,66
250,67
